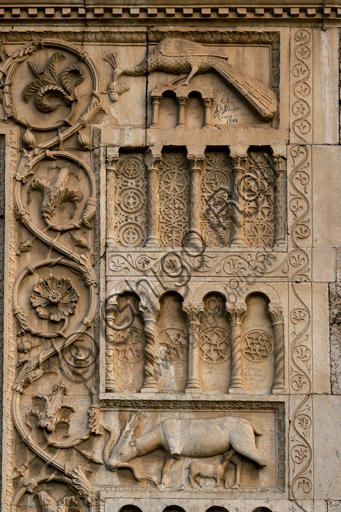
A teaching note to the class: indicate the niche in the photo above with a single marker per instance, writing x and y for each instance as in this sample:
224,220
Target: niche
128,344
174,508
257,345
168,113
130,508
172,344
195,115
214,345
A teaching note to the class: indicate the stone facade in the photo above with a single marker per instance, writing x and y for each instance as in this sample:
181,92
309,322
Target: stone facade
170,233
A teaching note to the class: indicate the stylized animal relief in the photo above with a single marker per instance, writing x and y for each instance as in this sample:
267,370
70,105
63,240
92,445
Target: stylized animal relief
130,204
179,438
186,59
174,199
199,470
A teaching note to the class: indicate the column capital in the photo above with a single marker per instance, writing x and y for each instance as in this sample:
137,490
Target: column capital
153,157
112,158
276,312
236,311
238,161
279,162
196,158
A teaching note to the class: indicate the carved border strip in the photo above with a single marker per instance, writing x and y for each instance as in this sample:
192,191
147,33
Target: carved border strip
223,405
275,13
9,348
300,349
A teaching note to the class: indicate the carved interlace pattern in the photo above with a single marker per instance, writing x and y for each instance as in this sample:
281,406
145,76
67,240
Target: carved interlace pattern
259,216
129,345
257,346
216,190
130,208
174,199
214,345
172,344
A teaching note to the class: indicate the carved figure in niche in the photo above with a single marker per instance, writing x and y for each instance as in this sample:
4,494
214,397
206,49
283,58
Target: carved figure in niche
49,81
199,438
53,407
48,504
187,58
199,470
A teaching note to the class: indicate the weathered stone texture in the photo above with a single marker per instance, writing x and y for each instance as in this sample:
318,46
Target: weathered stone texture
335,329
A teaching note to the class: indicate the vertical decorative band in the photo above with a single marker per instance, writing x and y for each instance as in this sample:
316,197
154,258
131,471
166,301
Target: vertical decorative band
153,160
238,168
196,162
276,315
150,334
193,383
110,377
237,312
280,200
112,164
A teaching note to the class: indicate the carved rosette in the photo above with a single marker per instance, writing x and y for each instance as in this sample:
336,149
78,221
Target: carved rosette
237,312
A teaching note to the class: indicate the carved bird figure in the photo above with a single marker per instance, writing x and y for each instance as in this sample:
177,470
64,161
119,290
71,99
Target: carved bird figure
48,504
187,58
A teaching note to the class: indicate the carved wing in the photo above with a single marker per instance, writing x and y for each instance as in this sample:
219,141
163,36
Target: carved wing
181,47
262,98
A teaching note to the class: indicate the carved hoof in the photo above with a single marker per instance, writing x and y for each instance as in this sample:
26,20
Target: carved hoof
154,480
235,487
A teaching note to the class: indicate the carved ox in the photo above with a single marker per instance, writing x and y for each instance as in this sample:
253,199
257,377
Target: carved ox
197,438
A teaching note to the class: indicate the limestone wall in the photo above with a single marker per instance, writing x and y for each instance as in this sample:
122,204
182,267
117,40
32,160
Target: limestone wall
170,236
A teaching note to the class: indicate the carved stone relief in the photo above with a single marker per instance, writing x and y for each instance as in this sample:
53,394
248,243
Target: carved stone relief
161,312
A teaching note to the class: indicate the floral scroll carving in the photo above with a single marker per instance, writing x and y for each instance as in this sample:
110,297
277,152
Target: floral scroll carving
54,294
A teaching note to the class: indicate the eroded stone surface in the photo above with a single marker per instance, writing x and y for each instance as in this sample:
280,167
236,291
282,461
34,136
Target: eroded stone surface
171,232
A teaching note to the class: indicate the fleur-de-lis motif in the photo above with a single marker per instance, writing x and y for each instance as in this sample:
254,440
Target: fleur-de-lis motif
55,193
48,80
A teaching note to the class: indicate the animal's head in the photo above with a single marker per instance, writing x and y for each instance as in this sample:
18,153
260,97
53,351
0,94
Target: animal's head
117,455
118,72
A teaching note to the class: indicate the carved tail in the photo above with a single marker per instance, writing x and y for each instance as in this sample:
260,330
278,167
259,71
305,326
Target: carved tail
261,97
108,444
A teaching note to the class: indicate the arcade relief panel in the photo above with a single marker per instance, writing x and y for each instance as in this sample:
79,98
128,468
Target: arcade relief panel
178,384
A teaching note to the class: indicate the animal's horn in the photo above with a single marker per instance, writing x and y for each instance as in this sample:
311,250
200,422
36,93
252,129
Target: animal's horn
108,444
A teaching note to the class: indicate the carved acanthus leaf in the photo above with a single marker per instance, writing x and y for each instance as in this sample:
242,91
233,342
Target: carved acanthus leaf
82,484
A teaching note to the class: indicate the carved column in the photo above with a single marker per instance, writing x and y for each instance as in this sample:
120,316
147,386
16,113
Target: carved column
237,312
182,101
196,163
112,165
153,160
277,318
207,102
150,334
110,373
238,169
193,383
155,111
280,200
